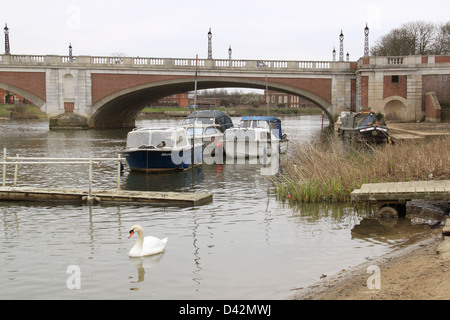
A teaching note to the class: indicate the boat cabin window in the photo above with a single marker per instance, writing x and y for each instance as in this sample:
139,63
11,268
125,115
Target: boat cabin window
159,136
198,131
181,140
239,135
256,124
137,139
210,131
264,136
199,120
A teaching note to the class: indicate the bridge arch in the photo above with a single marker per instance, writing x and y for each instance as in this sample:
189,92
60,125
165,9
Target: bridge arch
27,95
121,108
395,108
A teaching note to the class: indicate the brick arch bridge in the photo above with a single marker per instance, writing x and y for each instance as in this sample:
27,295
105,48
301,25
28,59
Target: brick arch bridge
90,92
125,103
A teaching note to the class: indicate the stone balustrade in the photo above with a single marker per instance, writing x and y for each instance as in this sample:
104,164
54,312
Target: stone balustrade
168,63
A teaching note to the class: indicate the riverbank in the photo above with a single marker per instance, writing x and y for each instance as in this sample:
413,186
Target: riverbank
162,112
418,270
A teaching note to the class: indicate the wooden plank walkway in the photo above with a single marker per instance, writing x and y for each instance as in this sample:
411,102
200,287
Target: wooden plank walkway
78,195
403,191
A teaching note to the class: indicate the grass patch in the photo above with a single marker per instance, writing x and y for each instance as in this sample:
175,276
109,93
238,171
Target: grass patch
21,111
327,173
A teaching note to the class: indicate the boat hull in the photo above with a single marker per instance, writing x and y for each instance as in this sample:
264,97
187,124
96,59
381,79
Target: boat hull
372,134
151,160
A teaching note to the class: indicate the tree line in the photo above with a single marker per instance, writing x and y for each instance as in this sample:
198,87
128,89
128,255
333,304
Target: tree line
415,38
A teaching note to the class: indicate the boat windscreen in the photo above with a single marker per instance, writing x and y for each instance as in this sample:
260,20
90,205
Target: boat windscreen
198,131
199,120
239,135
136,139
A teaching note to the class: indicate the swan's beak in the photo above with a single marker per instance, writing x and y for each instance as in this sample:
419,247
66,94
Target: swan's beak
131,233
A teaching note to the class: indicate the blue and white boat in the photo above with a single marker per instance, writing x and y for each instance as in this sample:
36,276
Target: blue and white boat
270,123
161,149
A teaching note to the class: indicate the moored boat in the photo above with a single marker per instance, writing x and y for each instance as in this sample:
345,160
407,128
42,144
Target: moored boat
364,126
161,149
240,142
216,118
267,122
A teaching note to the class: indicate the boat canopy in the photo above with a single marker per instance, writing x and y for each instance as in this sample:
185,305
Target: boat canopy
153,137
263,122
357,120
210,117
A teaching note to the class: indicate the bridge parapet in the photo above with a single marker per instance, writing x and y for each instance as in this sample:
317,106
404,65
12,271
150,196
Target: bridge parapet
173,63
403,62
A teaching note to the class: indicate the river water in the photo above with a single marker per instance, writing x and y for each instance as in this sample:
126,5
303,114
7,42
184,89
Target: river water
243,245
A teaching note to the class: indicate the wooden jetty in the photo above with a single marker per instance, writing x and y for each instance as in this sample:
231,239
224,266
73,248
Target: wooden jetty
118,196
391,197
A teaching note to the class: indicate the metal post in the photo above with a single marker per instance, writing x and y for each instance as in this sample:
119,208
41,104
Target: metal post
90,175
16,172
195,111
4,166
118,171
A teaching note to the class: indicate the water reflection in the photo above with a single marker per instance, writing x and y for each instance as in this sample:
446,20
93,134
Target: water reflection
144,263
386,230
163,181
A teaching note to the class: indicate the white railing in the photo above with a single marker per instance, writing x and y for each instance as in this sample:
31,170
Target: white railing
17,160
394,60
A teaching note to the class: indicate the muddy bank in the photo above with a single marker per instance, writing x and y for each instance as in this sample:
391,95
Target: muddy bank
419,269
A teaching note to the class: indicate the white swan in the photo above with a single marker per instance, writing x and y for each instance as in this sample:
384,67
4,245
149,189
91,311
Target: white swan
145,246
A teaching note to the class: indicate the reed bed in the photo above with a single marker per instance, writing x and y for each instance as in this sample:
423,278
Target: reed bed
330,172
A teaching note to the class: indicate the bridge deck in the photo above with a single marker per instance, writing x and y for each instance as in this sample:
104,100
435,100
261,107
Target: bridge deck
403,191
78,195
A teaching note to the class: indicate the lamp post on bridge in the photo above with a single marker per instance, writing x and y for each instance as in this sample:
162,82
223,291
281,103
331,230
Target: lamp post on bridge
7,50
70,53
209,44
341,47
366,41
229,52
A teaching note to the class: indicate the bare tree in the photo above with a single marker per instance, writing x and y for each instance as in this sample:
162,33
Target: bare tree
413,38
441,45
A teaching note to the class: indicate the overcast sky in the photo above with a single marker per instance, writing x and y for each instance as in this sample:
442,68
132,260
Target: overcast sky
260,29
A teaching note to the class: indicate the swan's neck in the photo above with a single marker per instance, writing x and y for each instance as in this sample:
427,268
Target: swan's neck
140,240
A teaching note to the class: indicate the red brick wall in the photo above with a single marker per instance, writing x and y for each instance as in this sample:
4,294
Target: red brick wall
69,107
106,84
33,82
391,88
442,59
430,108
440,84
364,92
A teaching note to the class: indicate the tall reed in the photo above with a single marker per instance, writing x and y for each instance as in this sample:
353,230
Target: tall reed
330,172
